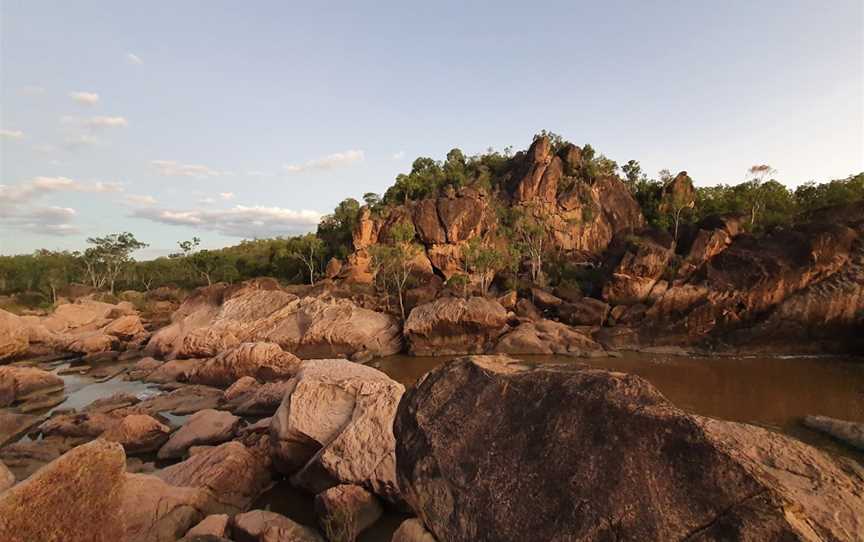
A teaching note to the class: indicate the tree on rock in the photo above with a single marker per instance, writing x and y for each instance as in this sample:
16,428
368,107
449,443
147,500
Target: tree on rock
396,262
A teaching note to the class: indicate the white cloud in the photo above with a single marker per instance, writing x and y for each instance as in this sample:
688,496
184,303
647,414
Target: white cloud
40,186
136,199
11,134
42,220
78,141
398,155
226,195
239,221
172,168
328,162
85,98
132,58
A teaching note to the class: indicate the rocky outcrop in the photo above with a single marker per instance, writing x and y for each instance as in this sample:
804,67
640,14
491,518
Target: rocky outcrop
18,383
138,434
260,525
449,326
347,510
40,508
547,337
335,426
221,317
262,361
643,262
604,456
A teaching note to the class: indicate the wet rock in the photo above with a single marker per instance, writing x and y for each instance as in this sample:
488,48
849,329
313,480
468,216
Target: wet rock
852,433
645,469
25,457
264,401
185,400
251,527
94,474
173,371
92,342
154,511
138,434
263,361
233,474
546,337
584,312
17,383
7,479
204,427
113,402
347,510
125,328
451,325
144,367
83,424
14,337
412,530
214,525
335,427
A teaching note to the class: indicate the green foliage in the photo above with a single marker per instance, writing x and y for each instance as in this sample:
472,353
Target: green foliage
482,262
210,265
393,263
336,229
109,256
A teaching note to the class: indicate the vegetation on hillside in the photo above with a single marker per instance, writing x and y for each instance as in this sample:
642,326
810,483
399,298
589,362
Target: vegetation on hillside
107,264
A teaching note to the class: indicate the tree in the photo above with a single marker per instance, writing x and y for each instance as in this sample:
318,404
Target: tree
529,232
482,262
396,261
633,173
756,196
336,229
109,256
309,250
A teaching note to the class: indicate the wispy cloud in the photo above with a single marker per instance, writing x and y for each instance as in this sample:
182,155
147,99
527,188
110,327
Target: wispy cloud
398,155
138,199
239,221
85,98
107,122
328,162
41,220
172,168
11,134
41,186
132,58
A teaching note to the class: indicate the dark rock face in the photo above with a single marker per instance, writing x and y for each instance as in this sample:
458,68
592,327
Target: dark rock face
492,449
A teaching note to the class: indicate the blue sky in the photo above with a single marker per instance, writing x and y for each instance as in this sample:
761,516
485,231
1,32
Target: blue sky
237,119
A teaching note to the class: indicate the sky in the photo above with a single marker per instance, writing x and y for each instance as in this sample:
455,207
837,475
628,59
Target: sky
232,120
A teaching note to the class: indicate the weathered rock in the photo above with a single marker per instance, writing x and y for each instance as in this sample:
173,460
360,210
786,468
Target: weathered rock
154,511
214,525
584,312
347,509
644,260
14,337
450,326
526,309
143,367
334,267
241,387
40,508
125,328
412,530
25,457
509,300
251,527
714,235
185,400
83,424
92,342
644,470
173,371
7,479
233,474
17,383
220,317
335,427
204,427
138,434
544,299
265,400
546,337
263,361
852,433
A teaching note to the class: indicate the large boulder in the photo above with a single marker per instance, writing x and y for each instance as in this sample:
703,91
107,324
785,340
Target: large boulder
347,510
643,262
14,338
154,511
76,498
852,433
233,474
263,361
491,449
221,317
546,337
335,426
252,526
138,434
449,326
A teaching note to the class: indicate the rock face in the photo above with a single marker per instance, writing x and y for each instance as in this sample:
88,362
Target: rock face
40,508
204,427
347,509
604,456
220,317
643,262
851,433
262,361
546,337
336,427
449,326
